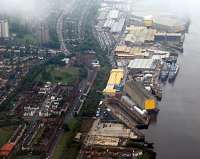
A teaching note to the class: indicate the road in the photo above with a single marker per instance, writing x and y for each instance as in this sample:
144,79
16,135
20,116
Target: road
84,88
59,28
67,11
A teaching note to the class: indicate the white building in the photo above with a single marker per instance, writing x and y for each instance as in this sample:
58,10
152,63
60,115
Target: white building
142,64
4,29
113,14
44,34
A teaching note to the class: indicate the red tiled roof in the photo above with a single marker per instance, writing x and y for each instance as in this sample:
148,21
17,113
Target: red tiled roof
6,149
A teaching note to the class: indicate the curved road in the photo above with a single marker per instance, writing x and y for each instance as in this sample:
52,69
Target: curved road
59,28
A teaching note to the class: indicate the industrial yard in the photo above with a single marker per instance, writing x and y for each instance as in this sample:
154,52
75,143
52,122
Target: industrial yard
97,94
143,52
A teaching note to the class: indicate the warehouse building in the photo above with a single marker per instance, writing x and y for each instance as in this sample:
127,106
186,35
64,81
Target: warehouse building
113,14
139,35
163,36
108,24
137,65
125,52
118,26
171,23
137,93
114,82
166,23
159,54
102,15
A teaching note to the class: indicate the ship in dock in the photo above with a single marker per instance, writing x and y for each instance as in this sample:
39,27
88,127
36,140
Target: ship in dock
157,91
173,72
165,71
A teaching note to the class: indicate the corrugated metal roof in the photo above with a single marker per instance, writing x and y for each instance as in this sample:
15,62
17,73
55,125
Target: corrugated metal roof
102,15
118,26
113,14
141,64
123,48
108,23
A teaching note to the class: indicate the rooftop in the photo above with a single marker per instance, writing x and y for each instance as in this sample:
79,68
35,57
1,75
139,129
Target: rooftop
124,51
141,64
139,34
115,78
113,14
6,149
108,23
118,26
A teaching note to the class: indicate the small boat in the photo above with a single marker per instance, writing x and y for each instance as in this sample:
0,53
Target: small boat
165,71
157,91
172,59
173,72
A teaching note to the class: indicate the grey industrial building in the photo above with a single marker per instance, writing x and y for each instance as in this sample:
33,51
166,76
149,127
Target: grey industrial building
136,91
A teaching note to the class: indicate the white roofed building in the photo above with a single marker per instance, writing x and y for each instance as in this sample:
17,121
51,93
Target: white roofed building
142,64
113,14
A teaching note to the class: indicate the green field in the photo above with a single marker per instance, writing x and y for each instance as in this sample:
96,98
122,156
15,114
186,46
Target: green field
65,147
5,134
61,146
61,75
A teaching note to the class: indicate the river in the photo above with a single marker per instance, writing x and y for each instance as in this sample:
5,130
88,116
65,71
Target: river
176,134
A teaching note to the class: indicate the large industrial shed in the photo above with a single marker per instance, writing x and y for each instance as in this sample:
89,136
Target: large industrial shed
142,65
143,98
118,26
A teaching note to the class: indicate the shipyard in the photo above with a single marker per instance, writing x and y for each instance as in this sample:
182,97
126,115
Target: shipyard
144,54
99,79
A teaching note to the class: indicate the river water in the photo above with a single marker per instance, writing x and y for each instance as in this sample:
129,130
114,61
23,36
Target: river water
176,134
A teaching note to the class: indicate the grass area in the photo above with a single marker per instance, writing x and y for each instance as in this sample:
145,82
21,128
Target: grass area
5,134
57,74
27,157
66,148
73,124
61,146
72,151
86,125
